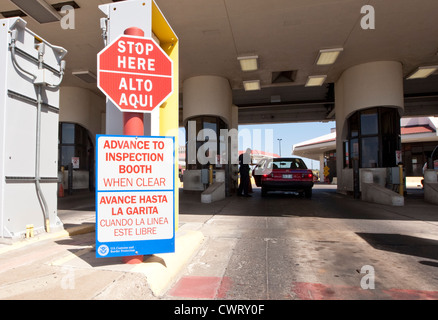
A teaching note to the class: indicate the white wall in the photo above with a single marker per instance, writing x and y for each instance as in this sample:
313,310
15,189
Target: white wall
84,107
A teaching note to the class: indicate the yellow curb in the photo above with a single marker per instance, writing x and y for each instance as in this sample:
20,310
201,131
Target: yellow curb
73,231
161,270
45,236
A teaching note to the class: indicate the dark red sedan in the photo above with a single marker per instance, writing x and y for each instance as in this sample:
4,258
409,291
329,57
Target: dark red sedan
284,174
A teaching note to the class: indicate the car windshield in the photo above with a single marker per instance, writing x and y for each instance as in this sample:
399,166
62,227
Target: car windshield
292,163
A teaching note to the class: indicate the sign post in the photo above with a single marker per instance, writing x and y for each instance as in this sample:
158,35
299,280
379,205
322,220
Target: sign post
138,76
134,196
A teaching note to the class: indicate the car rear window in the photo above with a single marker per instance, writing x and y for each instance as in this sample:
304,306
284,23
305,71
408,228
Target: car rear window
287,164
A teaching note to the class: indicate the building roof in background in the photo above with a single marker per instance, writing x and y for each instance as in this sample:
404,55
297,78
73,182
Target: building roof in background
412,130
417,129
260,153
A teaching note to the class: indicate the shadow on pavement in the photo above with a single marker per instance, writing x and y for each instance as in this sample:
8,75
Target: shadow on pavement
403,244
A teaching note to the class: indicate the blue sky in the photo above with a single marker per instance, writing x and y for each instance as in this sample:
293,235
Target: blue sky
290,133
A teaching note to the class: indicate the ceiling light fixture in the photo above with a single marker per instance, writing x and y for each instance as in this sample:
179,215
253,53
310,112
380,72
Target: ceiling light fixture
248,63
328,56
315,81
40,10
251,85
422,72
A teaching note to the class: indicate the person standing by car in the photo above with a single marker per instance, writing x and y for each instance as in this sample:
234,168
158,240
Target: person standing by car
244,161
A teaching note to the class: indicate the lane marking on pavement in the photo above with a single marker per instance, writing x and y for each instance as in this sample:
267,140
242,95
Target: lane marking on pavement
199,287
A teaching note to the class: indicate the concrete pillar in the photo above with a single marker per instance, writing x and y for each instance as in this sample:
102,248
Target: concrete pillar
431,186
372,84
367,176
207,95
321,167
430,176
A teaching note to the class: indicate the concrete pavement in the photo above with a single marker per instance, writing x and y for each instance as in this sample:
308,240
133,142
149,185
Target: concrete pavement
278,247
60,265
287,247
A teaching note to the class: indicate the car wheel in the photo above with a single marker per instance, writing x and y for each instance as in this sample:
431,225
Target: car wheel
264,192
308,193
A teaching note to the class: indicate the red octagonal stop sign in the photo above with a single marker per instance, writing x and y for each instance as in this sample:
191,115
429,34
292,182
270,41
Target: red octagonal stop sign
134,73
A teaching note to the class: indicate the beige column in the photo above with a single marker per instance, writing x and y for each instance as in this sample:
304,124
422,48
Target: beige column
372,84
207,95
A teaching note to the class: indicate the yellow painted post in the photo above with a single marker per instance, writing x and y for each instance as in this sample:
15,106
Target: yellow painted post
169,110
210,174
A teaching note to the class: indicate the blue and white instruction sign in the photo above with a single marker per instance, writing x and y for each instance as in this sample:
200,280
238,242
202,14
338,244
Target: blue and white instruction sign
135,195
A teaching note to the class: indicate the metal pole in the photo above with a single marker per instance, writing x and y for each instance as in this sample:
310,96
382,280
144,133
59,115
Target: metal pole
279,146
356,177
133,121
40,194
133,126
70,179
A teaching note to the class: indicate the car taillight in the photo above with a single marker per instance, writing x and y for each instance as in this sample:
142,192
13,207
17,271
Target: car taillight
308,175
